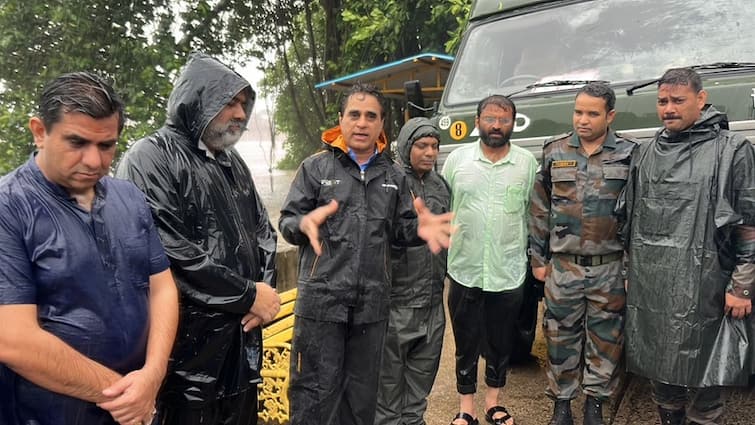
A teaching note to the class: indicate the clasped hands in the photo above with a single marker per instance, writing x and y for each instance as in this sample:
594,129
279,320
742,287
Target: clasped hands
131,399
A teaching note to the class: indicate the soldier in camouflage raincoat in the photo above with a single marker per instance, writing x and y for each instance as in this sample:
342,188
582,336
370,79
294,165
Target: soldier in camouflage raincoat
575,250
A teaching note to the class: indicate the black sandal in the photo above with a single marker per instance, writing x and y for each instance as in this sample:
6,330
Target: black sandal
467,417
497,421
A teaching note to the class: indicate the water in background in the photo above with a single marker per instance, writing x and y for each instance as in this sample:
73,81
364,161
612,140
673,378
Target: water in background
272,183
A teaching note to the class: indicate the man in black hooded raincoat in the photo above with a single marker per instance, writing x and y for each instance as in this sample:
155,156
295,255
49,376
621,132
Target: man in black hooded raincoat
219,240
690,200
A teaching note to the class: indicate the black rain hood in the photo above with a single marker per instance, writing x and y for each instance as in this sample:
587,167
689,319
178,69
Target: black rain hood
415,128
418,274
202,90
216,233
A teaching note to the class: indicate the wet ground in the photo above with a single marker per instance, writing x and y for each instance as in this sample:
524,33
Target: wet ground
525,398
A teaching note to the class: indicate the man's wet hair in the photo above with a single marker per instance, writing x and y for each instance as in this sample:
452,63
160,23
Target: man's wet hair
601,90
82,92
364,88
682,77
498,100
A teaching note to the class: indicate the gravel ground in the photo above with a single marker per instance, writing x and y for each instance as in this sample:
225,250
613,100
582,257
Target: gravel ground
524,394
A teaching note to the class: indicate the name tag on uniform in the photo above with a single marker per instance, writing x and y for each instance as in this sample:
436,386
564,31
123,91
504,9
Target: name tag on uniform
563,163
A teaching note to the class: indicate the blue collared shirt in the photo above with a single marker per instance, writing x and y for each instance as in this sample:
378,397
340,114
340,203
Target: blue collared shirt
364,166
88,273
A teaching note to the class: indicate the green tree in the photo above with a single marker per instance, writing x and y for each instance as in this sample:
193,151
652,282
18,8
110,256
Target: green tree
138,44
330,38
141,44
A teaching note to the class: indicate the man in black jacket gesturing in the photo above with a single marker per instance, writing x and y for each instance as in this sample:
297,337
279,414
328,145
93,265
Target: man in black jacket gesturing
346,205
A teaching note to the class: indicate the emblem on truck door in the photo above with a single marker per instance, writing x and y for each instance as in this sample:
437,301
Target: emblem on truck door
444,123
521,123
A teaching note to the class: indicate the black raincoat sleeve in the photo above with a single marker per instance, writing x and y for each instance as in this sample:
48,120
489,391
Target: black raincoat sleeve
742,195
626,199
405,222
301,199
199,276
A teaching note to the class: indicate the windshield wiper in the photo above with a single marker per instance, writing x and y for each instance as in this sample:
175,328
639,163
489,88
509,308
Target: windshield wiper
724,65
707,66
556,83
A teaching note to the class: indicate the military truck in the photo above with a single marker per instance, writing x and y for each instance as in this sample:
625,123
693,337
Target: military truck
540,52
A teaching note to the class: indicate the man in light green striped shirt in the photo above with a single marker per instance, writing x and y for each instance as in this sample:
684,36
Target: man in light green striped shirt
491,182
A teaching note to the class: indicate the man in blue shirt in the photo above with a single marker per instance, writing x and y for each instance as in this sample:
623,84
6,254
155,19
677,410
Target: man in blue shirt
87,303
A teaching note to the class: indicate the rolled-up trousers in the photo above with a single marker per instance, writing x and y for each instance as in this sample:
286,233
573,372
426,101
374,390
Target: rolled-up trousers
483,323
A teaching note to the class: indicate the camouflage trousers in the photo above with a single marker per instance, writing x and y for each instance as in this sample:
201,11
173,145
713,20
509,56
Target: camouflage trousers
584,328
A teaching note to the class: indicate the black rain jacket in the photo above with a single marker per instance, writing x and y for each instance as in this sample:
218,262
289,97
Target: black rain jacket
351,280
418,274
216,233
685,196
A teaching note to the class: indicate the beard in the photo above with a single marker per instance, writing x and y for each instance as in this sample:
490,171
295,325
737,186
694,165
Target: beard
218,137
493,142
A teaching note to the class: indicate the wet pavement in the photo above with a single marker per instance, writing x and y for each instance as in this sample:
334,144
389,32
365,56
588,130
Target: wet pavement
524,394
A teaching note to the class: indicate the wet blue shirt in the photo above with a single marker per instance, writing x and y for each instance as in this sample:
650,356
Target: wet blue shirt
88,273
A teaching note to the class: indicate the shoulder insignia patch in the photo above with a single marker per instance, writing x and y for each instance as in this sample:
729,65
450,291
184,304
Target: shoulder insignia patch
563,163
552,139
620,137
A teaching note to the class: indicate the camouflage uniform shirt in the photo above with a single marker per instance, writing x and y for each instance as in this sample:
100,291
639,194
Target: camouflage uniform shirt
574,197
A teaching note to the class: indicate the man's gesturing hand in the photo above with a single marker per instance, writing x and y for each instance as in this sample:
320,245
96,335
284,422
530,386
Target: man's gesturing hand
310,223
435,229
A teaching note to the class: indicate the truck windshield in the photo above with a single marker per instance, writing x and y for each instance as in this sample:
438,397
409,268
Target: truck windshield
621,41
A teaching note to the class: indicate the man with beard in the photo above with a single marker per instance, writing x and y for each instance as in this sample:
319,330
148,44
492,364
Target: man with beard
219,240
491,182
576,251
690,201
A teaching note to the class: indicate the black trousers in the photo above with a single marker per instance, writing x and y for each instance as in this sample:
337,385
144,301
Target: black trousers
240,409
334,372
701,405
483,323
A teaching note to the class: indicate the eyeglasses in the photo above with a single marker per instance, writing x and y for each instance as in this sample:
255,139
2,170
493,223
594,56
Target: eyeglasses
493,120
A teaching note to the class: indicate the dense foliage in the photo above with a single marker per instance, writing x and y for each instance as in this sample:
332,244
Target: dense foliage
141,44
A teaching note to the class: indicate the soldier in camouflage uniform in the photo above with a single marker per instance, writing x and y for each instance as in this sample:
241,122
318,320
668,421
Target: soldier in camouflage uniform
575,250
